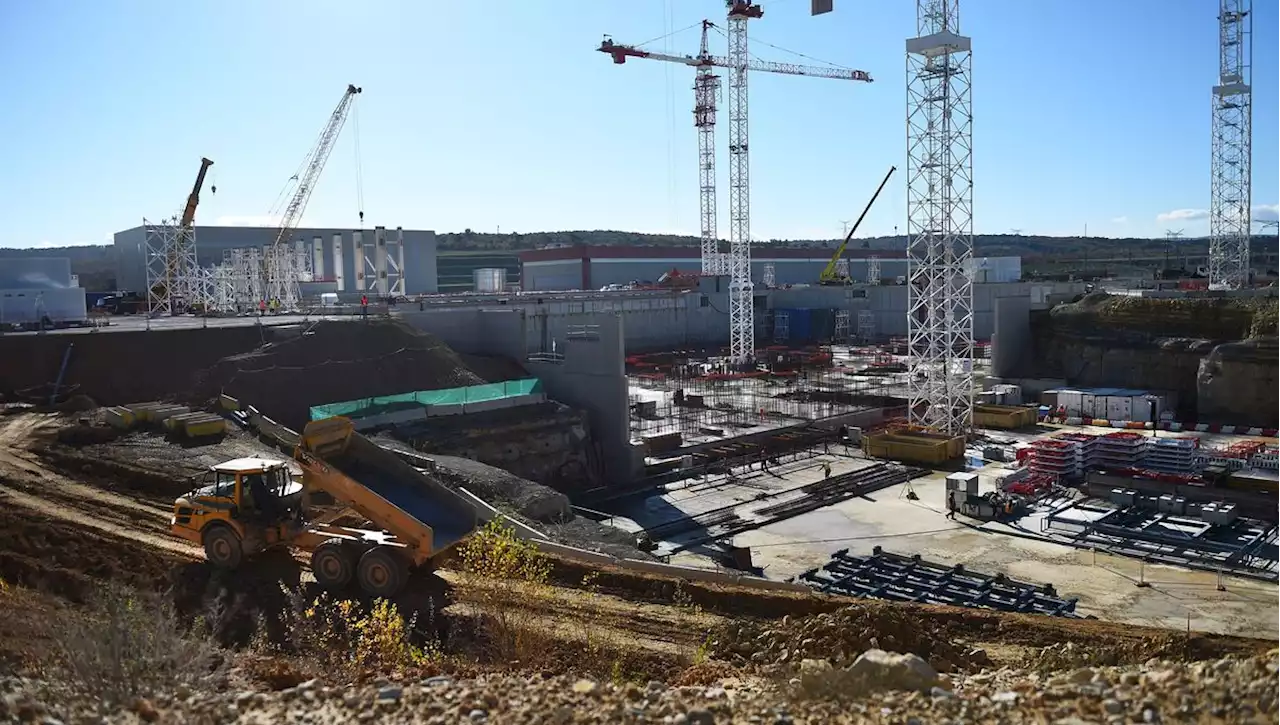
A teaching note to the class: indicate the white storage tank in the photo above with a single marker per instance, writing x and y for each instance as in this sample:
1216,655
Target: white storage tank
490,280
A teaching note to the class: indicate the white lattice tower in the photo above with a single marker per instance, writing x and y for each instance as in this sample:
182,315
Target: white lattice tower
841,334
781,326
173,273
706,88
1232,151
770,275
742,332
939,219
302,261
873,269
866,326
842,268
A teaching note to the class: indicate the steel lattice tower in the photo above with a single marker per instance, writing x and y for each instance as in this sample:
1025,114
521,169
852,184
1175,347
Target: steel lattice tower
1232,154
706,86
742,330
939,219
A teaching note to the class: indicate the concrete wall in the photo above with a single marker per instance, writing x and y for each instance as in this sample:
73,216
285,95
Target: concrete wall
1011,340
211,242
566,274
585,372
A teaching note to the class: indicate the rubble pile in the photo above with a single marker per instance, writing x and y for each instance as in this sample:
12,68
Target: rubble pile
839,637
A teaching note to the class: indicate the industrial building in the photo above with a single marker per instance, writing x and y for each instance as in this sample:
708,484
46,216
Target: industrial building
593,267
213,241
39,288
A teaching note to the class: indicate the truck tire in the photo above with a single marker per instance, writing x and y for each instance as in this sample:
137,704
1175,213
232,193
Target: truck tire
333,564
222,547
382,572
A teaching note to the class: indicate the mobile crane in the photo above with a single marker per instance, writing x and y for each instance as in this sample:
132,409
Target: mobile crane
829,275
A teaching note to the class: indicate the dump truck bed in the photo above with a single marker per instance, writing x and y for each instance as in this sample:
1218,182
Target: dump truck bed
421,512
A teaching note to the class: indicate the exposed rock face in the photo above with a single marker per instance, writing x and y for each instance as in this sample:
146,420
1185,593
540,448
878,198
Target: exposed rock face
1236,384
1167,345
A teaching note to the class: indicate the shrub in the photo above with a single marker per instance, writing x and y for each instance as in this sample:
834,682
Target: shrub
131,645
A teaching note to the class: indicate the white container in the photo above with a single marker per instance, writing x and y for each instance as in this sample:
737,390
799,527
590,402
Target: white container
1140,410
1088,403
1119,408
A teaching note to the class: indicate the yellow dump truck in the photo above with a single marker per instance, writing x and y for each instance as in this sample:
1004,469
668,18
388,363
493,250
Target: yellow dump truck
248,505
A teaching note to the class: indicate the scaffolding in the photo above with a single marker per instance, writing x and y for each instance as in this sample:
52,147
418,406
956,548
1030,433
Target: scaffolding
174,281
841,335
873,270
866,326
770,275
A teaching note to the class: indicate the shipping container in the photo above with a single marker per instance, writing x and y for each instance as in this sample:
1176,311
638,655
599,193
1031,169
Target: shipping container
1088,405
1119,408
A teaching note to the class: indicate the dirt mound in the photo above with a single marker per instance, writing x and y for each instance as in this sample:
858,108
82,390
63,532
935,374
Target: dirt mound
40,552
331,362
840,637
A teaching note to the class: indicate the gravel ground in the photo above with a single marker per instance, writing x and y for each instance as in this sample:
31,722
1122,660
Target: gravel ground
1228,690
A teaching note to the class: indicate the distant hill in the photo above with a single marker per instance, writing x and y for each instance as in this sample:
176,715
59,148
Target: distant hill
96,263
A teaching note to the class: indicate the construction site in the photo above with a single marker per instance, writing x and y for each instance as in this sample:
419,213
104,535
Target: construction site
910,489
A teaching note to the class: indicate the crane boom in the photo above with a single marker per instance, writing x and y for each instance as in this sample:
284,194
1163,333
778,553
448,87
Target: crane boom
189,213
829,275
318,156
620,53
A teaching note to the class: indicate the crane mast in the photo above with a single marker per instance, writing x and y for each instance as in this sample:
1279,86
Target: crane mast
282,273
940,220
706,87
742,333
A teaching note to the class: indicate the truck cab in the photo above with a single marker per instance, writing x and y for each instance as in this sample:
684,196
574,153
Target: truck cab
239,507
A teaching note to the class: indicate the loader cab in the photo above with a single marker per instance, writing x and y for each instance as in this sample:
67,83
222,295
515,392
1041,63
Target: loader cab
238,507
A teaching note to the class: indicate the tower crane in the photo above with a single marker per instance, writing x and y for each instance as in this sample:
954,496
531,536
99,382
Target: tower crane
282,274
706,83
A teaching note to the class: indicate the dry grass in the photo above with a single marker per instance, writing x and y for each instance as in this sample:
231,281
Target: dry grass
130,644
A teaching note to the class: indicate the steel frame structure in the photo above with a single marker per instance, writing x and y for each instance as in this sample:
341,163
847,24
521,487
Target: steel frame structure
873,269
841,334
770,277
939,220
1230,189
742,318
706,90
174,280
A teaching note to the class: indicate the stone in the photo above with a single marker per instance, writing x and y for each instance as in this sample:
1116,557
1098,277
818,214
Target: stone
145,711
478,715
1113,707
1005,698
390,692
882,670
1082,676
585,687
940,693
437,681
1150,715
699,716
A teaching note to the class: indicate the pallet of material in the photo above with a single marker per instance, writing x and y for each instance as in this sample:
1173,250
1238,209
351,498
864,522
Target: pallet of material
196,425
120,418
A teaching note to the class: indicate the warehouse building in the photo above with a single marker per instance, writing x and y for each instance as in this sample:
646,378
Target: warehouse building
39,288
212,242
593,267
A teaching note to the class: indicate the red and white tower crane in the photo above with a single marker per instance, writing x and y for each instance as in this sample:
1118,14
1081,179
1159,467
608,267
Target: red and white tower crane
737,264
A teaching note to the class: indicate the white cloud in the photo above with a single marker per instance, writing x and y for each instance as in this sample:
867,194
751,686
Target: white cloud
1266,212
249,220
1120,220
1182,215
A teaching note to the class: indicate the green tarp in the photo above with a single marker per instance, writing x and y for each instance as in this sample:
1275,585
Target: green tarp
366,407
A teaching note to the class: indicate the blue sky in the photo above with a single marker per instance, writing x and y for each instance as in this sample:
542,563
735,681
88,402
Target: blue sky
500,115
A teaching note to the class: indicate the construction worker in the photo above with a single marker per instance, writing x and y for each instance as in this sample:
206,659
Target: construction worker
262,308
364,306
826,469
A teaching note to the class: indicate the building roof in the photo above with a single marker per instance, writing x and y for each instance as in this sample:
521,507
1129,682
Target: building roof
241,465
759,252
